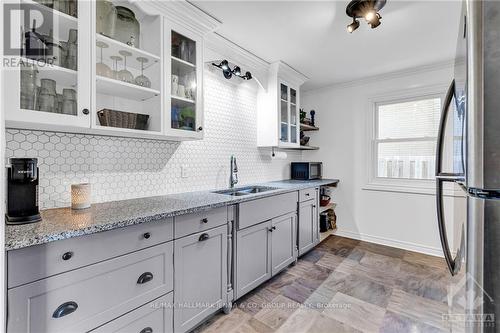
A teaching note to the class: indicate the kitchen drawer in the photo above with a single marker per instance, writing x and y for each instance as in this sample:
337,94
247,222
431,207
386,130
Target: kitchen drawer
197,222
307,194
156,316
260,210
37,262
88,297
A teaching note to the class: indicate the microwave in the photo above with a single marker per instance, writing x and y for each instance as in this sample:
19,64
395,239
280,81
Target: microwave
307,170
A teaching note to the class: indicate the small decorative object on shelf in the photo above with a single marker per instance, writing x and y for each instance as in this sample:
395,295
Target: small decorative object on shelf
80,196
302,115
313,113
127,28
304,140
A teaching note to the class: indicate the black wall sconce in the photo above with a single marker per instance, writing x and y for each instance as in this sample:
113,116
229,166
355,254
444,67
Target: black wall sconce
367,9
228,72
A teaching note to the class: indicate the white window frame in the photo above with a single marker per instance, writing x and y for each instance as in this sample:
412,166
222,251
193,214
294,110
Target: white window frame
373,182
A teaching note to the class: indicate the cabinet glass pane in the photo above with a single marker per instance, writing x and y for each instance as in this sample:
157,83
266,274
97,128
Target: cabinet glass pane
293,96
293,134
49,58
284,132
293,114
284,111
128,78
284,92
183,83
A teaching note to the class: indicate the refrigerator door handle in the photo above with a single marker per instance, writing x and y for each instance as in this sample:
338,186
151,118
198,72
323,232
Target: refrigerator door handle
453,264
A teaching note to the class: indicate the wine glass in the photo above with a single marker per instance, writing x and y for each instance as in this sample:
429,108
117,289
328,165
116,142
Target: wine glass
142,80
115,66
124,74
101,68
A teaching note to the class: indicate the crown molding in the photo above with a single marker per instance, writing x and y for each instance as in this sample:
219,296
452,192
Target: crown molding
182,12
288,73
385,76
219,47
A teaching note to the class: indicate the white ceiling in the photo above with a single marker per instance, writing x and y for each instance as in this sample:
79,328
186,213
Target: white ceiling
311,36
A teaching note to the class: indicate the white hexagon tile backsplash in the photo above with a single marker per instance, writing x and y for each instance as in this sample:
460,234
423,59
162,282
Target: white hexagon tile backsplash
123,168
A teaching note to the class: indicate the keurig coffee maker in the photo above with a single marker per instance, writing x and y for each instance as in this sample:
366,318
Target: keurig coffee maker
22,191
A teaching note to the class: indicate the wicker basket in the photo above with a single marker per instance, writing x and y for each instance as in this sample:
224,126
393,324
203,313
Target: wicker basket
122,119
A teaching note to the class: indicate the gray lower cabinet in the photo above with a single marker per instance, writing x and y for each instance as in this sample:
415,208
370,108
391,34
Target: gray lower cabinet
85,298
200,278
253,257
283,242
308,225
153,317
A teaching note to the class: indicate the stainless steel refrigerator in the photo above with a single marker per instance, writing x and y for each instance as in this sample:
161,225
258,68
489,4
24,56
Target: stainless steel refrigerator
468,170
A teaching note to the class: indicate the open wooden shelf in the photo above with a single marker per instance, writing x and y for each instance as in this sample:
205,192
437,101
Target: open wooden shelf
305,127
331,205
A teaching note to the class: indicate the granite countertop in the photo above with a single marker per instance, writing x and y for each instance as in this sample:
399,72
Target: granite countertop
63,223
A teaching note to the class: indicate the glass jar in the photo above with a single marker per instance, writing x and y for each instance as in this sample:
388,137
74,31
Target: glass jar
105,18
127,28
28,86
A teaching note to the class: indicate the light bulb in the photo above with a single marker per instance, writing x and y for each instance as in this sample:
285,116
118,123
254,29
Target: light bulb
370,15
353,26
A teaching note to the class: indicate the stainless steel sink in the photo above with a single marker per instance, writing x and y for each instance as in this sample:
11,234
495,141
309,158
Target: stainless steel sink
246,190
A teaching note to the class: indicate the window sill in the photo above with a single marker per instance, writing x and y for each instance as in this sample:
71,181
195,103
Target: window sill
422,188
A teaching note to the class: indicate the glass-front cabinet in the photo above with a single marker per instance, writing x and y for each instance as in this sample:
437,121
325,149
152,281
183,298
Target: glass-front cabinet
111,67
184,68
289,132
47,69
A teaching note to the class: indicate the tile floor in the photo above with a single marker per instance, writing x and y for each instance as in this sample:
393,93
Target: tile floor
345,285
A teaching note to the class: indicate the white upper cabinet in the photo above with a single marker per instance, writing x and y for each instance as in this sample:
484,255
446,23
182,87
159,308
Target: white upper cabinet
115,67
278,108
184,69
48,80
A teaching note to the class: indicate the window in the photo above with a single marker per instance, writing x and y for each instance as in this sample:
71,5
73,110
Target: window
404,144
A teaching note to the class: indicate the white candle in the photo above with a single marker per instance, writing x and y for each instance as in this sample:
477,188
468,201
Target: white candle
80,196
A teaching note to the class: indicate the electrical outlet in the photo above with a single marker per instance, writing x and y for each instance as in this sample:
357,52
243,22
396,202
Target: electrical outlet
184,171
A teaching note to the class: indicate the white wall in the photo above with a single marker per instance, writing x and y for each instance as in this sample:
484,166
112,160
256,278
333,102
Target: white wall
405,220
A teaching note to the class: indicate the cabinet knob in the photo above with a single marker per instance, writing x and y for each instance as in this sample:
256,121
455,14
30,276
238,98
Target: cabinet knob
203,237
274,228
146,235
200,128
307,194
85,111
65,309
205,220
145,277
314,206
147,330
67,255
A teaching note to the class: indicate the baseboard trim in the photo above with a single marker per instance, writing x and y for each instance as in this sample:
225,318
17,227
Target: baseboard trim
433,251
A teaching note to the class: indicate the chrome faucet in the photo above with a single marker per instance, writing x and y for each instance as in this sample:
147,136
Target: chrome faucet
234,172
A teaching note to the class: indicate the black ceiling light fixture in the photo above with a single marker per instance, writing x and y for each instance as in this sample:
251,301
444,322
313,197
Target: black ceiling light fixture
228,72
367,9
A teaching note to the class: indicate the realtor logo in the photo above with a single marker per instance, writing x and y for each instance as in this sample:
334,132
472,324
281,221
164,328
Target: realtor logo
467,300
23,27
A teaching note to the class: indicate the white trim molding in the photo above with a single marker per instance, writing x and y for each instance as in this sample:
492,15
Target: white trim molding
425,249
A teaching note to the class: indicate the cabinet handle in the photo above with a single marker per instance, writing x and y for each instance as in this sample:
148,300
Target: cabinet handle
65,309
274,228
307,194
203,237
67,255
205,220
145,277
85,111
200,128
147,330
270,229
146,235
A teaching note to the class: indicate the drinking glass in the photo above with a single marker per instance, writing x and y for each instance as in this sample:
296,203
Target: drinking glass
115,66
101,68
143,80
124,74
